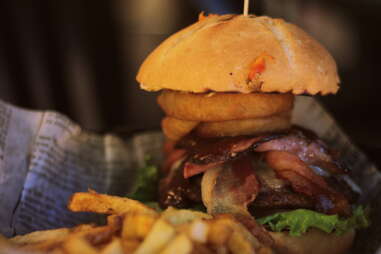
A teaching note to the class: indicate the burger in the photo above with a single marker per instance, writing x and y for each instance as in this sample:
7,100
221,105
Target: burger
227,86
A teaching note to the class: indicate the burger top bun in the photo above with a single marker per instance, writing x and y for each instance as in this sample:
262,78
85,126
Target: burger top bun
236,53
313,242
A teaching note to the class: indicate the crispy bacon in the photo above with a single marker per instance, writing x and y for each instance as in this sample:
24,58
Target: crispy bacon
205,154
284,198
172,157
229,189
191,169
303,180
306,146
297,156
178,192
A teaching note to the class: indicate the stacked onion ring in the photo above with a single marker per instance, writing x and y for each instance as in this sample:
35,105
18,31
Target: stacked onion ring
224,114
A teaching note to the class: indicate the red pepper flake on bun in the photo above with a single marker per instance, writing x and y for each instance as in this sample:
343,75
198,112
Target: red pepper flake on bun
258,66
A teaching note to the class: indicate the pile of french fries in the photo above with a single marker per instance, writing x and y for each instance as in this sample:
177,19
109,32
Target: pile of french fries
133,227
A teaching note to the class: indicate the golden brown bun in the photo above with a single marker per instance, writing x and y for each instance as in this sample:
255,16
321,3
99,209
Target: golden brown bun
313,242
218,52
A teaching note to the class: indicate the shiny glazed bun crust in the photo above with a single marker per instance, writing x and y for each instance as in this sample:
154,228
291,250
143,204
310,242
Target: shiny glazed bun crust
236,53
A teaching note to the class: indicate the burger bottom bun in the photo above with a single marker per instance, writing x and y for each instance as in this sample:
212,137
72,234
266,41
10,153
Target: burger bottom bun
313,242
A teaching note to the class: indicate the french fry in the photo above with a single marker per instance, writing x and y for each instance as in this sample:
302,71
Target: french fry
229,221
238,244
133,227
115,220
97,235
182,216
58,251
44,246
198,231
162,232
114,247
78,245
105,204
205,249
130,245
39,236
219,232
83,227
137,225
220,249
7,247
181,244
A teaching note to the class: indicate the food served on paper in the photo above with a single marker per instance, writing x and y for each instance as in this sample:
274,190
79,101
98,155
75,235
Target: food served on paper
227,88
133,227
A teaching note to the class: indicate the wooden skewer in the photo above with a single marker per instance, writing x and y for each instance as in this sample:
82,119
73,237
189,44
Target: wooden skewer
246,7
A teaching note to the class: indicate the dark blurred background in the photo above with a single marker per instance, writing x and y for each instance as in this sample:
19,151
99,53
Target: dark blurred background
80,57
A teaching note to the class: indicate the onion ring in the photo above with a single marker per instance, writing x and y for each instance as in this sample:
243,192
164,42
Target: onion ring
251,126
174,129
215,107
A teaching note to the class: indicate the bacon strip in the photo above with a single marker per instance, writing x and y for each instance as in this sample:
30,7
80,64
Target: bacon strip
289,167
208,154
306,146
309,166
174,156
298,141
229,189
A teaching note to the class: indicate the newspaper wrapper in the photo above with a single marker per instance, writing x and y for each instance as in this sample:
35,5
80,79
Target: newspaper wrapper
45,157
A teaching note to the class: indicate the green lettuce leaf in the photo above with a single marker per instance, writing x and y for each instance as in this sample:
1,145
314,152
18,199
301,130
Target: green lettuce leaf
300,220
146,182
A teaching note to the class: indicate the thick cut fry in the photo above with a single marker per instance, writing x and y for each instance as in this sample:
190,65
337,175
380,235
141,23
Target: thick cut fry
220,249
134,228
57,251
130,245
240,239
44,246
8,248
175,129
199,248
223,106
114,247
181,244
83,227
101,203
181,216
115,221
137,225
198,231
78,245
219,232
98,235
41,236
162,232
238,244
251,126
